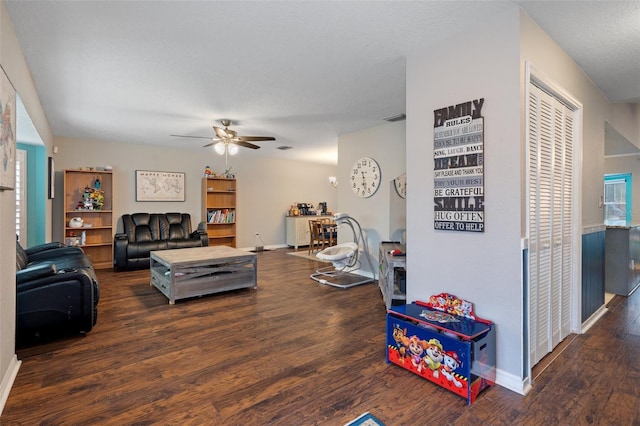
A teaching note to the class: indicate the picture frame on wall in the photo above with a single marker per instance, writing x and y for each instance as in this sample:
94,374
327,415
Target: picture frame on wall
159,186
7,133
51,168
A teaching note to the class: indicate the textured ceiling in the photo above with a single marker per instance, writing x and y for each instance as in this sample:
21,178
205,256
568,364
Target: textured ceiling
301,71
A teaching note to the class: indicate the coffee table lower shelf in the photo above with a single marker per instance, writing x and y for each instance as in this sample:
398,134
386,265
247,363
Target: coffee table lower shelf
198,271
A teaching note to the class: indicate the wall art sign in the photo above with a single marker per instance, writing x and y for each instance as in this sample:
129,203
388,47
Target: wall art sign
159,186
7,133
458,176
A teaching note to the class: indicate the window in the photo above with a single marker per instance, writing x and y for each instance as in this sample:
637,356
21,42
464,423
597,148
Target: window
21,196
617,198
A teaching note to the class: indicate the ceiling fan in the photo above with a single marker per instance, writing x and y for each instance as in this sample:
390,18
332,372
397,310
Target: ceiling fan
225,138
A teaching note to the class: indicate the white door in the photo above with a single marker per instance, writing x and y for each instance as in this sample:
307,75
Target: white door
550,221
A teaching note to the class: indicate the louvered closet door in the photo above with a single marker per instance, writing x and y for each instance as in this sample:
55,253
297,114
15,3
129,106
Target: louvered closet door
550,214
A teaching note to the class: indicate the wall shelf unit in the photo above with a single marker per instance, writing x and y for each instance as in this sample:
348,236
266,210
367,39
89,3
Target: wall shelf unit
97,223
219,210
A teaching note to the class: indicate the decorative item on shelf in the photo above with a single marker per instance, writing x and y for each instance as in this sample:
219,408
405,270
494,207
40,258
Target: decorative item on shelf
72,241
322,208
208,172
76,222
306,209
96,183
228,174
92,199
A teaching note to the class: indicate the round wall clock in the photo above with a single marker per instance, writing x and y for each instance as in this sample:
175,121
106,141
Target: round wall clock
365,177
401,185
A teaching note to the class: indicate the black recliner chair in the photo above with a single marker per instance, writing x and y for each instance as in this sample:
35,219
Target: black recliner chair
57,292
146,232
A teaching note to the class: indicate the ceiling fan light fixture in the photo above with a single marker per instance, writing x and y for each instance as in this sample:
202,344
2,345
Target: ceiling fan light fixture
220,148
232,148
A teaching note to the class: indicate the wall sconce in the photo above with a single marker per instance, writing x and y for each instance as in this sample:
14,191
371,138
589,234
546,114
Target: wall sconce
333,181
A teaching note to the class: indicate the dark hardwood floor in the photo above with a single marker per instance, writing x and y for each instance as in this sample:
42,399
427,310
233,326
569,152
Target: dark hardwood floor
294,352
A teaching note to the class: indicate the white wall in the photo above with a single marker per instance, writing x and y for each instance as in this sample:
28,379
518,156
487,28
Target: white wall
266,186
626,120
14,65
486,268
539,49
385,144
481,267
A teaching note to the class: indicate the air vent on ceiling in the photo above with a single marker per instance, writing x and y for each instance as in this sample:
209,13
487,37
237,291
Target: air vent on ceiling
284,147
398,117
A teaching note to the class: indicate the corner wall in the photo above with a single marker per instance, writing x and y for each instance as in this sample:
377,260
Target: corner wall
484,268
386,144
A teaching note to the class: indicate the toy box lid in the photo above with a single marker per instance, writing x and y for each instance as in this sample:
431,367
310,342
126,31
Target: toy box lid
444,316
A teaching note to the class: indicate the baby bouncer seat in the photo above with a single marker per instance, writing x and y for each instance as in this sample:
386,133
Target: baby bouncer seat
344,258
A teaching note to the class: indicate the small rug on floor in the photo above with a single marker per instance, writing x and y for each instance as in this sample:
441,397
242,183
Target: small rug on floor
305,255
367,419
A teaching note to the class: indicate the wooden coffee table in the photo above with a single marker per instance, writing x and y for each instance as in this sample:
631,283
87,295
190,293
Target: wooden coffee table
190,272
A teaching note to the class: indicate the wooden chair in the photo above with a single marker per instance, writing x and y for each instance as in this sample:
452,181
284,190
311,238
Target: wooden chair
314,236
327,232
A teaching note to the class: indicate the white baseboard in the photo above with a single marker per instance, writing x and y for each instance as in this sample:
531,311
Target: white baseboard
8,379
271,247
593,318
512,382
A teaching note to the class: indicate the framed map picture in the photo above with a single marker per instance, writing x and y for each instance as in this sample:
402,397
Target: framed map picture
159,186
7,133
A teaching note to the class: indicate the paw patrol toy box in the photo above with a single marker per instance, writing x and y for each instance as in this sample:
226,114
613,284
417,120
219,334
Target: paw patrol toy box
444,342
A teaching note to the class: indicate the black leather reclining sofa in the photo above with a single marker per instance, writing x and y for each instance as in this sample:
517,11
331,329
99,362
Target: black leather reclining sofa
56,291
146,232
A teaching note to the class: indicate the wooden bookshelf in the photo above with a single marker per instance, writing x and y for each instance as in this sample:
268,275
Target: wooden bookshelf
219,210
97,221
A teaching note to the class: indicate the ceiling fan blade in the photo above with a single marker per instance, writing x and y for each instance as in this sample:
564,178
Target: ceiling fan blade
195,137
221,133
226,135
255,138
245,144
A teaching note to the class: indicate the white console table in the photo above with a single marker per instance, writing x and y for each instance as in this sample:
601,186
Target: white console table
297,229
